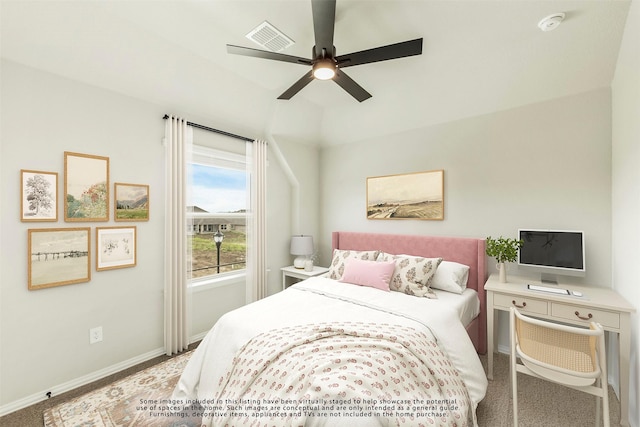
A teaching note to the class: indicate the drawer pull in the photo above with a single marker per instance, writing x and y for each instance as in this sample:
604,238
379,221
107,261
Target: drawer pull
589,316
524,304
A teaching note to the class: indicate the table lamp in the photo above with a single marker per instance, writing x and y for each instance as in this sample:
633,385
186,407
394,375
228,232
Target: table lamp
302,247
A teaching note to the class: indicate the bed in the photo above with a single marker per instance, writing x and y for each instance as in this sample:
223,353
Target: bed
329,353
467,251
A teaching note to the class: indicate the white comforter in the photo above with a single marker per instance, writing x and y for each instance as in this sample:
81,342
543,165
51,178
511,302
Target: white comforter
321,300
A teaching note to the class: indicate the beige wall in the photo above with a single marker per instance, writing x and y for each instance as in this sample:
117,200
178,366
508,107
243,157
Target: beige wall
626,189
545,165
44,334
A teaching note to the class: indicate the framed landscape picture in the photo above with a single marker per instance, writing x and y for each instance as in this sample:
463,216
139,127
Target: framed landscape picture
417,195
115,247
58,256
132,202
86,187
39,196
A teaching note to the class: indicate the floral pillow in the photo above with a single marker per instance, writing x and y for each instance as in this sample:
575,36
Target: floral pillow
336,269
412,274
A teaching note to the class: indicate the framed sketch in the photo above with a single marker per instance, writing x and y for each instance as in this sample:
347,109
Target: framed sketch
39,196
115,247
86,187
58,256
132,202
417,195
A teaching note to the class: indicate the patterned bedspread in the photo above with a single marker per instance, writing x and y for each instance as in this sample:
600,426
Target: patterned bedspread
347,371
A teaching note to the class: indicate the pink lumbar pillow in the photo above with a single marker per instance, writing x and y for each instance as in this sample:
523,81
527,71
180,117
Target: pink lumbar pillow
368,273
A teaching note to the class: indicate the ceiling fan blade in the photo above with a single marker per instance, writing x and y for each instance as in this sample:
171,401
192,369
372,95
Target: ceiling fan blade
297,86
324,18
265,54
383,53
353,88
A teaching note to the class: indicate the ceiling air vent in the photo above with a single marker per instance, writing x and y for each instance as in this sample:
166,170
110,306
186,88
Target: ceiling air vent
269,37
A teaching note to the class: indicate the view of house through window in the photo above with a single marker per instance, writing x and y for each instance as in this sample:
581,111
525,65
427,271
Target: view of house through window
217,206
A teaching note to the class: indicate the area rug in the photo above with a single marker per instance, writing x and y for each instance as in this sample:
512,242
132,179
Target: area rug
137,400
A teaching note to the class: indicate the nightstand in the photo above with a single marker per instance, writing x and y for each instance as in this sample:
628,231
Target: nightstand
300,273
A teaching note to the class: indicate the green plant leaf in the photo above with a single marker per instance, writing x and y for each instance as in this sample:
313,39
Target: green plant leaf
503,249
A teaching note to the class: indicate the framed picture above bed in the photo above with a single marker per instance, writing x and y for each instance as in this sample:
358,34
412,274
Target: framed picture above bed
418,195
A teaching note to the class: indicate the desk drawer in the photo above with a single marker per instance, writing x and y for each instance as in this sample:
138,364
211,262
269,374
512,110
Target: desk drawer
523,304
587,315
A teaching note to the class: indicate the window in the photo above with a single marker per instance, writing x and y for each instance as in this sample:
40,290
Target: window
217,205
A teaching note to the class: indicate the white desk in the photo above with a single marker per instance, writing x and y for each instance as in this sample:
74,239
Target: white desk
300,273
600,305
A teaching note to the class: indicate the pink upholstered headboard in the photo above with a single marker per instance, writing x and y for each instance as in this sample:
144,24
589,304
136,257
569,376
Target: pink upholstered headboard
464,250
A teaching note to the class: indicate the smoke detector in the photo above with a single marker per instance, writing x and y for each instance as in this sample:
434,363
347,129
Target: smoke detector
269,37
551,22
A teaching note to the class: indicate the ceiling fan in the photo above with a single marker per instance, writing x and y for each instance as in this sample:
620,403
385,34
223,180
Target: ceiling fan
325,65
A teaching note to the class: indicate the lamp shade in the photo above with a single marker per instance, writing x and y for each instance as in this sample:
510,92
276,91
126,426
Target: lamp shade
302,247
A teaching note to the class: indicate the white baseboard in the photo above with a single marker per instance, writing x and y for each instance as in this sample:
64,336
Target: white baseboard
78,382
198,337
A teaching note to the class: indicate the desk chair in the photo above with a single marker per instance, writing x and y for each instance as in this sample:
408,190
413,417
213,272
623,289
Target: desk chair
571,356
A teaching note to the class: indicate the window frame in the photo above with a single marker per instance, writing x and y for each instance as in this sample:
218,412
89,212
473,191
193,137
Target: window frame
211,157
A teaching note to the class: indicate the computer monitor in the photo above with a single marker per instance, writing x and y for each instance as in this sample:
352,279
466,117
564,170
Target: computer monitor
552,253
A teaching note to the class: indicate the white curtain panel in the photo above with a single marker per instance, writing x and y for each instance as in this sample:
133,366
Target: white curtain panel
178,140
256,286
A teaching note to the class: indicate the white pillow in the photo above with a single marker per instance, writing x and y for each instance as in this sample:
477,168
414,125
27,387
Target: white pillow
451,277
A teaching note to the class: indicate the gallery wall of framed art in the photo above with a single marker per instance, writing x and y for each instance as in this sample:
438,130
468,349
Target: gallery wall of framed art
63,255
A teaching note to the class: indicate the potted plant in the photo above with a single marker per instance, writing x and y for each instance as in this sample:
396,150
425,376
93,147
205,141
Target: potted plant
503,250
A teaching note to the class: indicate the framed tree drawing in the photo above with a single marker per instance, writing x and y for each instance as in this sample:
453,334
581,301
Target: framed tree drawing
116,247
407,196
132,202
86,187
58,256
39,196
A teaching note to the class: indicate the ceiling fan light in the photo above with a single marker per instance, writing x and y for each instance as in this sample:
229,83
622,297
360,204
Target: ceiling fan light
324,70
324,73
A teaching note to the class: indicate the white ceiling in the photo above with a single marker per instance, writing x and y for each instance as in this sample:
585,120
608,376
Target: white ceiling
478,56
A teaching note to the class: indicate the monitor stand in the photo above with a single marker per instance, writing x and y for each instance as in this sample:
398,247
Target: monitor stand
548,279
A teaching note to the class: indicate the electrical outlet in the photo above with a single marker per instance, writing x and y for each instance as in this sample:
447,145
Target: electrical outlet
95,335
